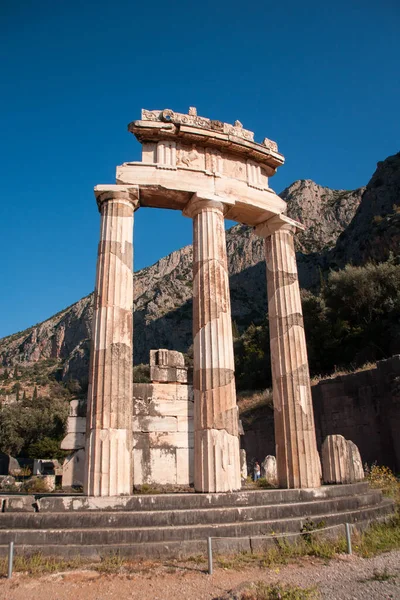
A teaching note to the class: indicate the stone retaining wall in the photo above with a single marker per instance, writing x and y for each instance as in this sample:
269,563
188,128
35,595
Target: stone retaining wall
363,407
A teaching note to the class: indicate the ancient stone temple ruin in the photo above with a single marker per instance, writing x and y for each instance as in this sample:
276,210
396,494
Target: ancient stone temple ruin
210,171
173,430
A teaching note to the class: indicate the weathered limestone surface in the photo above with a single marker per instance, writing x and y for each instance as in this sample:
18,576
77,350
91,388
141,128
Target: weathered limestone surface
356,469
269,470
162,433
76,428
243,464
216,442
341,460
297,457
168,366
335,460
74,469
109,416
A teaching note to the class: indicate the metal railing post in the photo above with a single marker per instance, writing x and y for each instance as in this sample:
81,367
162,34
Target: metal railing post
210,557
348,538
10,559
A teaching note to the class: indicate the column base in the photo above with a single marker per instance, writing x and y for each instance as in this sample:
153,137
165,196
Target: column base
217,461
108,463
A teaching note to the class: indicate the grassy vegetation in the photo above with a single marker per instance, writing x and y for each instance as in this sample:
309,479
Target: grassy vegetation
264,591
284,552
37,564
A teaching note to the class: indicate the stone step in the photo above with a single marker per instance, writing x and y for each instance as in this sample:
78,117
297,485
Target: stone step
62,503
177,541
160,518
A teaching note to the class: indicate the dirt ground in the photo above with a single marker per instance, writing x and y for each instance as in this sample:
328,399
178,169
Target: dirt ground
345,578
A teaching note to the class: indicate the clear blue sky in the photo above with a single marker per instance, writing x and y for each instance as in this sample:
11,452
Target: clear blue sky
320,78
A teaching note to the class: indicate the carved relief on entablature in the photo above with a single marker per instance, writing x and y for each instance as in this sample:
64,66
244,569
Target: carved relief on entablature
166,155
190,157
214,164
235,168
254,175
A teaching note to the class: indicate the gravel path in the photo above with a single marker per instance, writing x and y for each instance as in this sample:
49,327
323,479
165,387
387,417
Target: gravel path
345,578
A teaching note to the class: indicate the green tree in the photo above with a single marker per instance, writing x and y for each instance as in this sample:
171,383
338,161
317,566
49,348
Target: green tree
47,448
24,424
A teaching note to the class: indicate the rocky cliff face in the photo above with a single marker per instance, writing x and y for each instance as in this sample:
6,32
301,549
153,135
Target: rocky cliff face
162,302
374,232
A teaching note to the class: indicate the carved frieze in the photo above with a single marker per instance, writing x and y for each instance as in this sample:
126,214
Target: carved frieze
191,157
235,168
169,116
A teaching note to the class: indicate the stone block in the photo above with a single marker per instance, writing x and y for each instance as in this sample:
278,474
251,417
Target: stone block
166,358
163,468
20,504
335,460
73,441
167,366
139,466
356,470
184,466
185,424
150,424
269,470
341,461
178,439
179,408
76,425
74,469
169,374
243,464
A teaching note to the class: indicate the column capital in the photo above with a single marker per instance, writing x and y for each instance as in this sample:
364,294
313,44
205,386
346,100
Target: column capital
200,202
278,223
125,194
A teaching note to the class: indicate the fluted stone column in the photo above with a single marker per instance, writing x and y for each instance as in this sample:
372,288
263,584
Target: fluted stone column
108,469
298,462
216,438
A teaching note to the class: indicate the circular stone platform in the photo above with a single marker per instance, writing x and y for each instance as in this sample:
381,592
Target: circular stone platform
175,525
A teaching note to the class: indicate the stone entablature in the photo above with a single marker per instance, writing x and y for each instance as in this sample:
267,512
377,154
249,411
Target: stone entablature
184,155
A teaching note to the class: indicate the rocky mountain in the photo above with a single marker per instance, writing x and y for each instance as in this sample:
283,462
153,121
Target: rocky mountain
162,301
374,232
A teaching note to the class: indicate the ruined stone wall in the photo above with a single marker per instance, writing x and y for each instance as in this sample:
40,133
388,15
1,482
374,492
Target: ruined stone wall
363,407
162,433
